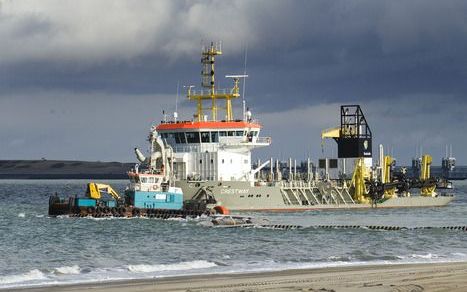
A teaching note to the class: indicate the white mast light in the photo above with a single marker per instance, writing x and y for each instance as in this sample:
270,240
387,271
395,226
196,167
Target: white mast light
236,76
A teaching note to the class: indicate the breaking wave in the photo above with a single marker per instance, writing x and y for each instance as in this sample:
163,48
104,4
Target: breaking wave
75,274
183,266
32,275
78,275
68,270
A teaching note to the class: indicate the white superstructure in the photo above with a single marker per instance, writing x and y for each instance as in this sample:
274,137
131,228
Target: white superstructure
212,150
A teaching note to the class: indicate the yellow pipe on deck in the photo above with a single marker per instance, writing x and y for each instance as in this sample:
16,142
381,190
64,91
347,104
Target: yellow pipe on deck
425,174
358,182
388,193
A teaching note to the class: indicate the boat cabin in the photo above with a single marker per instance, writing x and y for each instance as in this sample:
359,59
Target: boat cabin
147,182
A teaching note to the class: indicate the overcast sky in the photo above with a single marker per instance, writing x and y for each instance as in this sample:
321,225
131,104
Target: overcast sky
86,79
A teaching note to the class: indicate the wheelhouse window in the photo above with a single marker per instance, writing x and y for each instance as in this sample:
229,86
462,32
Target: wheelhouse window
180,138
214,137
167,135
192,137
239,133
205,137
222,133
230,133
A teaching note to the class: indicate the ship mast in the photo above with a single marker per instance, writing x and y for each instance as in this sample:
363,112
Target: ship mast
209,92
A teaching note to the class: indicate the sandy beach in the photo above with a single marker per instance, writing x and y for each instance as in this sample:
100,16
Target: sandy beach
407,277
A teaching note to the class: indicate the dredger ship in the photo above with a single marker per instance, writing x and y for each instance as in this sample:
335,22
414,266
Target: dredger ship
209,158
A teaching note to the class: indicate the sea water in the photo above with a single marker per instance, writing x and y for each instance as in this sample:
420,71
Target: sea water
37,250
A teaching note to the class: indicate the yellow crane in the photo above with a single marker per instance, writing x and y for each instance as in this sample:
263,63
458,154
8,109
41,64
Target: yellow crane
94,190
360,174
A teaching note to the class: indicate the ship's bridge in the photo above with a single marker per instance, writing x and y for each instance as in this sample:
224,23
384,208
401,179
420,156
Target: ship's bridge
188,136
212,150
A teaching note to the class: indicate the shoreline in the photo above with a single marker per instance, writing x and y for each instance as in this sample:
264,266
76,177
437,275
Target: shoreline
63,169
448,276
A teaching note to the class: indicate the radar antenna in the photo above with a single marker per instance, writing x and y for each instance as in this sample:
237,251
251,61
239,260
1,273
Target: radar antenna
235,90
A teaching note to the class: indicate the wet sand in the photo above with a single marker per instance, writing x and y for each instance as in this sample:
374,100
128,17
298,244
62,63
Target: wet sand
410,277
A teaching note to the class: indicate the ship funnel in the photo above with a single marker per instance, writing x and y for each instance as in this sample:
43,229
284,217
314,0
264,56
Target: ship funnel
139,155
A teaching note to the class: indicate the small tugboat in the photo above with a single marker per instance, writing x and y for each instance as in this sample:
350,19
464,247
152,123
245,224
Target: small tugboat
147,196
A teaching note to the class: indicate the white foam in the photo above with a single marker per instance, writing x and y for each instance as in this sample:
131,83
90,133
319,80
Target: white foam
171,267
339,258
21,215
68,270
176,219
62,216
21,278
74,274
424,256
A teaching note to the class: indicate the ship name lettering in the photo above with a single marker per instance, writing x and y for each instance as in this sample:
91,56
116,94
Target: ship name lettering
234,191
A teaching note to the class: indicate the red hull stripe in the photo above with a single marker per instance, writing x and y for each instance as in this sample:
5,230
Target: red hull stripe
207,125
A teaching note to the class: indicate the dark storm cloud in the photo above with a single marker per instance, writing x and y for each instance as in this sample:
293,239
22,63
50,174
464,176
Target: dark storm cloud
383,50
406,57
